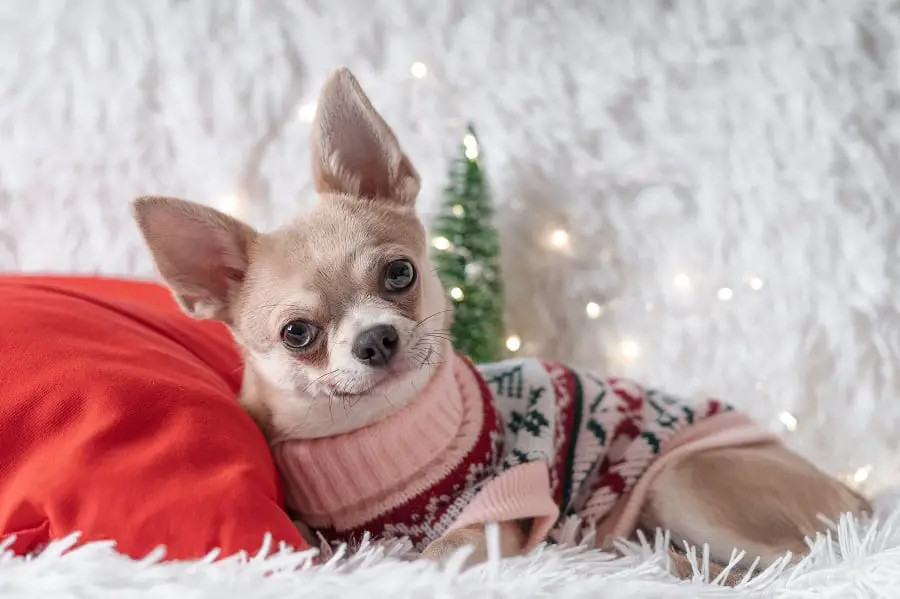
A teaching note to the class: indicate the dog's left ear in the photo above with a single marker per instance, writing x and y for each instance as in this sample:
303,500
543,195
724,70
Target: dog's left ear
354,151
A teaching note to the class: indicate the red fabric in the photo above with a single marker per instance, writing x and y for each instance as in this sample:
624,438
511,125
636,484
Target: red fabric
118,418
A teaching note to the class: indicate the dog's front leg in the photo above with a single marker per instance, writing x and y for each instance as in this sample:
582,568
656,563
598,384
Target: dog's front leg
305,532
513,535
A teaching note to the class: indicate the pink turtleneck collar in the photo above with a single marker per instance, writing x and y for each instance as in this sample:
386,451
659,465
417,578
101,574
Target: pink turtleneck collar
344,481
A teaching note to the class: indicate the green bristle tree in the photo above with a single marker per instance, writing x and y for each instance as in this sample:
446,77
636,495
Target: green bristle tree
467,256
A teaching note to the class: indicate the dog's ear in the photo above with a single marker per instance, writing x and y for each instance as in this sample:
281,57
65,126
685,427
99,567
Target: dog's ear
354,151
201,253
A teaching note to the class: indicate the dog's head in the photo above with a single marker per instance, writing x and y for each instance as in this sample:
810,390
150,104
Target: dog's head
339,313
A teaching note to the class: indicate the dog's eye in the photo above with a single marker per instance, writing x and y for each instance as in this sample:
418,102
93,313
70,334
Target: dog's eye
298,334
399,275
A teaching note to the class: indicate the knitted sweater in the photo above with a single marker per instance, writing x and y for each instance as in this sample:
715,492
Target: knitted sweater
516,439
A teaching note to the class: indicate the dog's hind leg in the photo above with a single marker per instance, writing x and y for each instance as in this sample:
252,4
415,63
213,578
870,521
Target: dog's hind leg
764,500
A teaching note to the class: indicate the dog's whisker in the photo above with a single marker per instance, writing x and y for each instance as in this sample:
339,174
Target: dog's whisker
321,376
313,398
387,399
441,337
331,404
437,353
416,389
424,320
309,408
442,331
437,332
319,379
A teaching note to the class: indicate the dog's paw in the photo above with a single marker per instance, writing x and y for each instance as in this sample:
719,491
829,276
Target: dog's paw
306,533
680,566
442,548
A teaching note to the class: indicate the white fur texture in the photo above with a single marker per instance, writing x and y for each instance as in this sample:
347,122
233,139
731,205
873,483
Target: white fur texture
723,140
859,561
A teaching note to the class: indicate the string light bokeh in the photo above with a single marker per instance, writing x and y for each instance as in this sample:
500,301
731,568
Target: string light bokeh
627,350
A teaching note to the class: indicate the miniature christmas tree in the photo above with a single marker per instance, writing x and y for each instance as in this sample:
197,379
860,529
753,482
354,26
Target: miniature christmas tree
467,257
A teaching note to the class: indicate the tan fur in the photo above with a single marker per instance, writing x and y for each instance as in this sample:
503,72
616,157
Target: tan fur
327,267
765,500
512,539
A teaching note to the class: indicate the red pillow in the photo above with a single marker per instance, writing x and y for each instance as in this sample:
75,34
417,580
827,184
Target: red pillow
118,419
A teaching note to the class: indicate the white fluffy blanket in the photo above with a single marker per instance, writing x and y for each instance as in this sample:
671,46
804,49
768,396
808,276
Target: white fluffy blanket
855,560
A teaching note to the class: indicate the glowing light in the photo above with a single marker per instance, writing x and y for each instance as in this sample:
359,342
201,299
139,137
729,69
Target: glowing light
559,239
629,349
471,145
230,204
725,294
755,283
441,243
788,420
418,69
307,112
473,270
457,294
862,474
458,210
513,343
593,310
682,281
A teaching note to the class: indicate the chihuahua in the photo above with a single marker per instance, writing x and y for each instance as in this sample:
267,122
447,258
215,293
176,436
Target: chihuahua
377,424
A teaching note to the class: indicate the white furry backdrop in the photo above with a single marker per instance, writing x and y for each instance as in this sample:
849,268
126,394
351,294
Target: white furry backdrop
725,170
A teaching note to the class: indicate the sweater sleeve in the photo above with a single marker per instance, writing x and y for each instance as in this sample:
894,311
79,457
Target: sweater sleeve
522,492
727,429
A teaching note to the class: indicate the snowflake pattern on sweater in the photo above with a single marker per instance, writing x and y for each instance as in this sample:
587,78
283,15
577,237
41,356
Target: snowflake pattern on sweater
596,435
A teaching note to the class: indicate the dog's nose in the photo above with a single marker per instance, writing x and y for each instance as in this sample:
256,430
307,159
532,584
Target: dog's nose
377,345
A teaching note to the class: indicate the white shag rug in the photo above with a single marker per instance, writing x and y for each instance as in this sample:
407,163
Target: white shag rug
857,559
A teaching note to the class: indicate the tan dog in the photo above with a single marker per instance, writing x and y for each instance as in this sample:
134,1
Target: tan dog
303,301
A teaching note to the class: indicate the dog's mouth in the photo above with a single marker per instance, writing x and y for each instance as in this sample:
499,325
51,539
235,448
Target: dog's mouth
341,392
344,392
427,357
